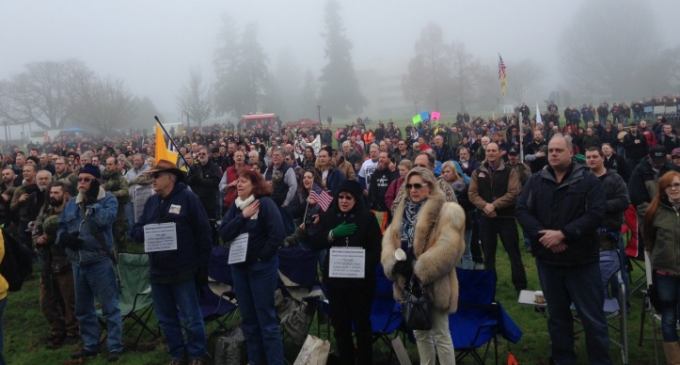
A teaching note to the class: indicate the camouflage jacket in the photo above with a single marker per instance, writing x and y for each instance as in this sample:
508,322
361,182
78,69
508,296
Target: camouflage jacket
115,183
46,224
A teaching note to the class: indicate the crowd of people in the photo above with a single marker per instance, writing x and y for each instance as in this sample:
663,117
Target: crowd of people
442,194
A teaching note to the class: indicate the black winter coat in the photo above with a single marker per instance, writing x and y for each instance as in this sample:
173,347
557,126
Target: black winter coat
575,206
367,236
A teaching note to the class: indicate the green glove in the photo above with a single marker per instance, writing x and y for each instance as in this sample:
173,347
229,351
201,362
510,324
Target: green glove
344,230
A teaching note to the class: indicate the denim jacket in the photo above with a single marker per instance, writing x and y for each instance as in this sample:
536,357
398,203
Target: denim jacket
100,216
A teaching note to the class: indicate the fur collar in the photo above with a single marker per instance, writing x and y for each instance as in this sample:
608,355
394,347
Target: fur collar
100,196
425,224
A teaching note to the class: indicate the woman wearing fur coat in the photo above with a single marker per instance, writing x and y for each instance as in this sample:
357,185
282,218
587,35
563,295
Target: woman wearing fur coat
430,232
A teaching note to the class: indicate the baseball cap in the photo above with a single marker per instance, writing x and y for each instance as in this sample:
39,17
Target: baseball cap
657,153
513,151
675,152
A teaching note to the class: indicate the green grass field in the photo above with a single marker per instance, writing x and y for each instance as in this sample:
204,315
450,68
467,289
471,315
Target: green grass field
24,325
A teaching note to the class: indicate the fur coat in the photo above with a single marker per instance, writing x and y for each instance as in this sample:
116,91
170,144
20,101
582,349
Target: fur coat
438,246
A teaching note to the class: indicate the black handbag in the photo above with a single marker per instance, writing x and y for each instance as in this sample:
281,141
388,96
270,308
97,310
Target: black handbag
415,309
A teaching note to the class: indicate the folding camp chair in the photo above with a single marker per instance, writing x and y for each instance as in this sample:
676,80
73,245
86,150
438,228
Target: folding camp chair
135,300
479,318
297,304
217,299
385,311
648,310
298,299
634,251
614,307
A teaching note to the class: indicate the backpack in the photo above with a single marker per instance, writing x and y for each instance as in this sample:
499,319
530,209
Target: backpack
16,265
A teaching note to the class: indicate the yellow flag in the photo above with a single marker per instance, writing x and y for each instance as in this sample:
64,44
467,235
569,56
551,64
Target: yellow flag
162,152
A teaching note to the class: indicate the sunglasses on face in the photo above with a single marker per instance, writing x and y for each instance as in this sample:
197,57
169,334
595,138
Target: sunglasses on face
85,179
416,186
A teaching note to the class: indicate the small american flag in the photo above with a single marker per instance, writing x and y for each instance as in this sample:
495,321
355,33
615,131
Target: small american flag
321,196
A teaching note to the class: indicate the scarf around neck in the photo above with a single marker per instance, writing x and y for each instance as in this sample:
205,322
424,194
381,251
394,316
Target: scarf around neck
242,204
408,224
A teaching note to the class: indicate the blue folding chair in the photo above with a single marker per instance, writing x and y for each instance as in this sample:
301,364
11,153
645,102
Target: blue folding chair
217,299
385,311
298,267
479,318
298,275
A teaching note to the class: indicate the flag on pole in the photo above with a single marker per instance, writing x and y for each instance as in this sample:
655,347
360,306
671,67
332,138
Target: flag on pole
321,196
501,73
162,151
539,119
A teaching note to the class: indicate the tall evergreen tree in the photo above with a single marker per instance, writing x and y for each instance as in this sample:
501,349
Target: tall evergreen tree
242,72
309,96
340,94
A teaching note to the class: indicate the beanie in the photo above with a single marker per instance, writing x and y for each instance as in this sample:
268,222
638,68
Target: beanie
351,187
92,170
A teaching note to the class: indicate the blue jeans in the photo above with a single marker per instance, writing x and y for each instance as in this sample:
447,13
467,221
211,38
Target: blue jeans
581,285
621,151
632,163
669,292
3,304
168,301
98,280
254,287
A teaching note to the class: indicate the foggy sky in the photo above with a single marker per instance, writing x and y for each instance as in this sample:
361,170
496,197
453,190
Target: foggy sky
153,44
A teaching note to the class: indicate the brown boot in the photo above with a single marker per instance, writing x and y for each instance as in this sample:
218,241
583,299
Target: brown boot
672,350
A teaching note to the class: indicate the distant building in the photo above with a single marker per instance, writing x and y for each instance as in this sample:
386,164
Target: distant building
382,89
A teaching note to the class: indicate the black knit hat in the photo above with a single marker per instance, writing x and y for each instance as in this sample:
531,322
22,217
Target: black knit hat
351,187
92,170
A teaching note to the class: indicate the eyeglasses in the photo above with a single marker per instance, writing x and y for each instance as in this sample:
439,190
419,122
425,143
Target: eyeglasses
675,186
85,179
156,175
416,186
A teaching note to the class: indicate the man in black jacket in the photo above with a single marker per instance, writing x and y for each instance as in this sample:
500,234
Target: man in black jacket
560,209
635,144
442,151
204,180
644,180
616,193
380,181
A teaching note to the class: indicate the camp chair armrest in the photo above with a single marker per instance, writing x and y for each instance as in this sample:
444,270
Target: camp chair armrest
146,292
